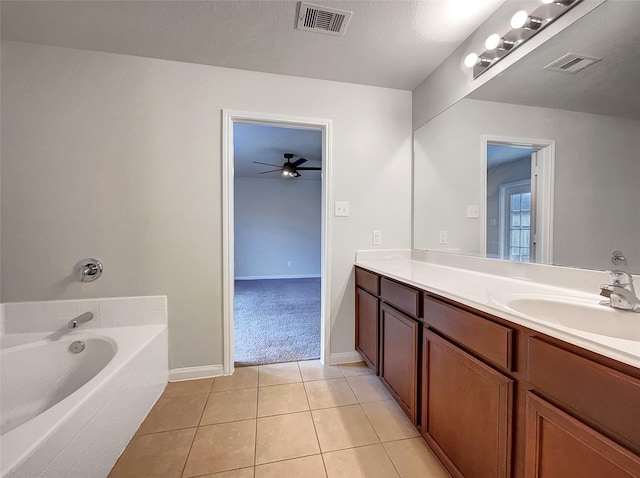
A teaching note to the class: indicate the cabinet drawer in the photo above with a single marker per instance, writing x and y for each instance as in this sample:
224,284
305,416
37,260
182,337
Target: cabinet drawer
600,393
368,281
400,296
490,340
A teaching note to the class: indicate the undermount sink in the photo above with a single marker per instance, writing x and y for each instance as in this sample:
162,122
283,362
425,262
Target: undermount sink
582,314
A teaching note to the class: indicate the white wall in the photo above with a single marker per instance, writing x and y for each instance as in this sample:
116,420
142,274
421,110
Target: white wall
277,221
595,178
119,158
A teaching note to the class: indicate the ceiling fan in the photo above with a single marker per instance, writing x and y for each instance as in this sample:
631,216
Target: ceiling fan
289,169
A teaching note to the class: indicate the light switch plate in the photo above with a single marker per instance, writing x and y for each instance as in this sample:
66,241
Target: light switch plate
341,209
377,237
443,237
473,211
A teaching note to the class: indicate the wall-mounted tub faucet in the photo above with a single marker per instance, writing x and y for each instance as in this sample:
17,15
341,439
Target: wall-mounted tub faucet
78,321
88,270
620,292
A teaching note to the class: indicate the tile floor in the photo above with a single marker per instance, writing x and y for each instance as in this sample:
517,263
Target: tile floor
297,419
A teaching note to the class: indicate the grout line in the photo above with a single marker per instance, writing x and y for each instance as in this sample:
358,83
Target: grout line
255,440
391,460
196,433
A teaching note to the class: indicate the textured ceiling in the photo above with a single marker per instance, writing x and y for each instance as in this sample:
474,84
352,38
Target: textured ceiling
267,144
394,44
609,87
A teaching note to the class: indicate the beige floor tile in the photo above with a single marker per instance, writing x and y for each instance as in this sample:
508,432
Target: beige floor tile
314,370
222,447
354,369
157,454
279,373
283,437
241,473
414,459
307,467
329,393
389,421
243,377
368,388
281,399
187,387
173,413
364,462
343,427
230,406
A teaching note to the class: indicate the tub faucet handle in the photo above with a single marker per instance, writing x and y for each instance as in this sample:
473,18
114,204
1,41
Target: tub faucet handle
88,270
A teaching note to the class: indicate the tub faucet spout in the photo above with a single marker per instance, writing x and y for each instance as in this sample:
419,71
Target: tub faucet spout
81,319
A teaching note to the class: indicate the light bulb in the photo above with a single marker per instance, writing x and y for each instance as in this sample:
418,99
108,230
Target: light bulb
547,2
492,42
519,19
470,60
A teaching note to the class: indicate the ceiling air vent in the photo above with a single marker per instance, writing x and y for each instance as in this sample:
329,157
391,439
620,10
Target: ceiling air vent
319,19
572,63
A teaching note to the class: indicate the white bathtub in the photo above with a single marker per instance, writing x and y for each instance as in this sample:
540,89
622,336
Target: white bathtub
71,415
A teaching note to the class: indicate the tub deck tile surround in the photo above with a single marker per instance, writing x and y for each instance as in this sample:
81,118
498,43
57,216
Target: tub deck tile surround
299,419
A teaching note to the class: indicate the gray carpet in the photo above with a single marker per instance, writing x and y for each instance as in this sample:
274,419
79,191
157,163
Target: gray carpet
276,320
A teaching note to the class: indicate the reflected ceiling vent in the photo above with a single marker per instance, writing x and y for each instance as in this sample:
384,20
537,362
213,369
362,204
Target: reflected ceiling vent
320,19
572,63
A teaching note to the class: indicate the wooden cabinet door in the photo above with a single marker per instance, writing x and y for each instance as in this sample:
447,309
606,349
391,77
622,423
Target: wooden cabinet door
399,358
559,446
367,327
466,410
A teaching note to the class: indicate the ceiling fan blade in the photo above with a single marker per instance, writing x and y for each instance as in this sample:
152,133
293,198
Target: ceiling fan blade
299,161
268,164
272,171
309,169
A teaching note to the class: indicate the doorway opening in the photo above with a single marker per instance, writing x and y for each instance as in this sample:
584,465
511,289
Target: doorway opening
518,187
277,243
275,197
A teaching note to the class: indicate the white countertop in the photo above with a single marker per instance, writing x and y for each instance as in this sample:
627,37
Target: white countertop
486,292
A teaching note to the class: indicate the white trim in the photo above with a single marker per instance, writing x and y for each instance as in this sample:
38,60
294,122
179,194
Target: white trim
191,373
544,214
544,198
344,357
325,125
294,276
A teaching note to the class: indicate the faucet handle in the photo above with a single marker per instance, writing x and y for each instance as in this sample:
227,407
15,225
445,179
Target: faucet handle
620,278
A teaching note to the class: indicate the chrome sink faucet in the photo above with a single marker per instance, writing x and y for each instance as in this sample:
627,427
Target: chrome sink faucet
81,319
620,292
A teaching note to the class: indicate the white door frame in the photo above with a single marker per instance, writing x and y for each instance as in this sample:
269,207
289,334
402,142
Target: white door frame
229,117
544,179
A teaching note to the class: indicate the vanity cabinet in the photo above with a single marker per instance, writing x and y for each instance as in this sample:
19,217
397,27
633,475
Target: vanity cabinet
558,446
467,410
367,317
467,405
493,398
399,358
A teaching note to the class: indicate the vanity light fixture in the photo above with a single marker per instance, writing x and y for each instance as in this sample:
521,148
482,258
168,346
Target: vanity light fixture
472,60
496,41
524,25
522,19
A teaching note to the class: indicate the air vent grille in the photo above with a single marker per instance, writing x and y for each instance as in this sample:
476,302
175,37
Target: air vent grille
320,19
572,63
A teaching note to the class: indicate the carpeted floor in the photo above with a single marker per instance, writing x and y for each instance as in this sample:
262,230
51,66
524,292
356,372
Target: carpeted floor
276,320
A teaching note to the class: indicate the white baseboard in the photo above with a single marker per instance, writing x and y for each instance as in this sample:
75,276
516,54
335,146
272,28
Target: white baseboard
192,373
294,276
344,357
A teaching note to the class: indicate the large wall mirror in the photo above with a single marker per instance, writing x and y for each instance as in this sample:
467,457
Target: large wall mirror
539,165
